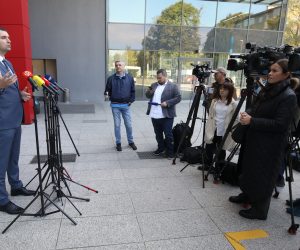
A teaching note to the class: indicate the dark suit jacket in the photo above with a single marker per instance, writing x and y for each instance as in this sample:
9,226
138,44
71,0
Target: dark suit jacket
170,95
11,109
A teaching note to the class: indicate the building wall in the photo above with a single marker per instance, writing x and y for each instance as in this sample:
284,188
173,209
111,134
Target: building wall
73,33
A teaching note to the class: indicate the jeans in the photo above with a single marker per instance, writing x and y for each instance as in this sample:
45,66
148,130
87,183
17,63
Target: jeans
163,127
9,157
125,111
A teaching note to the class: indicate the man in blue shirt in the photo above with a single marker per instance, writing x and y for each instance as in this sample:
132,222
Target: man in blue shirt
121,91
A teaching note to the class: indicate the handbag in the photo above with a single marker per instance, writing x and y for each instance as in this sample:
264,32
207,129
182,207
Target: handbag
239,132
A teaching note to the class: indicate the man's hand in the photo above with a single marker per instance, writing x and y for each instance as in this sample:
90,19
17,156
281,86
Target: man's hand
245,118
164,104
25,95
7,80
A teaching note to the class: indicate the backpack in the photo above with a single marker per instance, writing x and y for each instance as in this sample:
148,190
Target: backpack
230,174
193,155
177,134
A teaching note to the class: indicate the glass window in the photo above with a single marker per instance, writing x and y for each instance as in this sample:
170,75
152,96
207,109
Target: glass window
207,11
132,11
197,39
162,37
264,38
232,14
163,12
230,40
155,60
124,36
264,16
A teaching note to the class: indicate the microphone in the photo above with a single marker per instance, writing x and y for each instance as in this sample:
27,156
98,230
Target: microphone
48,84
52,80
40,82
154,103
28,75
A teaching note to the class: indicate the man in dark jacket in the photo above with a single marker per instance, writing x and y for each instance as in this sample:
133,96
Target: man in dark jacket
121,91
163,95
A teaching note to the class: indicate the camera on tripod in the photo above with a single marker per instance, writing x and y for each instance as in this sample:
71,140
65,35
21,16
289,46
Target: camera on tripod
258,59
201,71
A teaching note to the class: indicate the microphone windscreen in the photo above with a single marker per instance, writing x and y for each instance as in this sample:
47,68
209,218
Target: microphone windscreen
50,78
26,74
39,81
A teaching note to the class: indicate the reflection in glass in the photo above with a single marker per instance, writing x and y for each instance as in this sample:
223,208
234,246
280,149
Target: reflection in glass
265,17
155,60
164,12
123,36
193,38
207,11
264,38
232,14
162,37
131,12
230,40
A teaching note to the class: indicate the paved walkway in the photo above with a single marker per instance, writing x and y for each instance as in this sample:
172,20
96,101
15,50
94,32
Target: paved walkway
141,204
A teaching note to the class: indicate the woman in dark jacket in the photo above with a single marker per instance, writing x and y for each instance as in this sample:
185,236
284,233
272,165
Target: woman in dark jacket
268,124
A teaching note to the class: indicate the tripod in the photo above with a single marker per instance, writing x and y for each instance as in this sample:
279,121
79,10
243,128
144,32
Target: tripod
40,193
292,146
192,115
245,93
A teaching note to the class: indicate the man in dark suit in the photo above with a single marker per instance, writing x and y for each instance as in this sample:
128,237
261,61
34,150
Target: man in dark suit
163,95
11,114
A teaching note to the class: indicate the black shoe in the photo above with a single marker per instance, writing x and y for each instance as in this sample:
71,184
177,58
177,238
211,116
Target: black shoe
205,167
22,191
158,152
119,147
132,145
296,203
252,214
241,198
11,208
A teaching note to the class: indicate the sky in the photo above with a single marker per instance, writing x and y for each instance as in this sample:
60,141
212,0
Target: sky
134,10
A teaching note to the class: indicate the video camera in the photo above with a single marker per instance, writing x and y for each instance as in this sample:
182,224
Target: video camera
258,60
201,71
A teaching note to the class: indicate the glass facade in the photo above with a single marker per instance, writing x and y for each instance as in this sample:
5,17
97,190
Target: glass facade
152,34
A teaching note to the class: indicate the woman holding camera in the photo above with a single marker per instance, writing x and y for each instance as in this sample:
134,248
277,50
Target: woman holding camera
220,113
268,123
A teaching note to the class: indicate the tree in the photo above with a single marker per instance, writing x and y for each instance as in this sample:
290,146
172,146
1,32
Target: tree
166,32
292,29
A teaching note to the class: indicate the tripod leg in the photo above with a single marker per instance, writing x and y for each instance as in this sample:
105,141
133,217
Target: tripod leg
59,209
19,215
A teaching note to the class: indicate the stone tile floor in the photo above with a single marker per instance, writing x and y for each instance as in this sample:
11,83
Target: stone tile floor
141,204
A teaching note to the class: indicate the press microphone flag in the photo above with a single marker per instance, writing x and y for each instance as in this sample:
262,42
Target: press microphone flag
28,75
48,84
52,80
40,82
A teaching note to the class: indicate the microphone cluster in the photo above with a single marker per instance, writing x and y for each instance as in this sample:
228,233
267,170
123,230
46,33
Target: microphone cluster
47,82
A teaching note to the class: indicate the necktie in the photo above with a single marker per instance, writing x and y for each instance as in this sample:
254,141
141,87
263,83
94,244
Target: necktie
5,62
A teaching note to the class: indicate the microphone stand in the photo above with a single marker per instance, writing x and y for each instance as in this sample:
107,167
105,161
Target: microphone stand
40,191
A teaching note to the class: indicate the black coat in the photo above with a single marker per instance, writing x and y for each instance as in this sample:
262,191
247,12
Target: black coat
266,140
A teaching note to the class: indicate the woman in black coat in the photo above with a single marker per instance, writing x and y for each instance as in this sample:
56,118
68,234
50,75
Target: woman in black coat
268,124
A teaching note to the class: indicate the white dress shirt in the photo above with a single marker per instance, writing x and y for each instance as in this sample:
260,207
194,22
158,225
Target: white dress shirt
221,111
156,111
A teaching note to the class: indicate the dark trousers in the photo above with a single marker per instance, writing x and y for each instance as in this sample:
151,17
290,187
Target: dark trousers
163,128
9,158
210,150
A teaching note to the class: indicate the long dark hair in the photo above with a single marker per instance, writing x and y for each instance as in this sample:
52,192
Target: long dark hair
226,85
283,63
